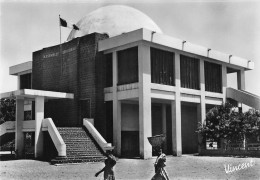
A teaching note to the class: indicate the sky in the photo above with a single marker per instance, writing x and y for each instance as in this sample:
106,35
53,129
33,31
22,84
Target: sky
231,27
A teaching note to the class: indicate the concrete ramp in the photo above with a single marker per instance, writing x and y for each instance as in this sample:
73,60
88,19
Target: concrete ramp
244,97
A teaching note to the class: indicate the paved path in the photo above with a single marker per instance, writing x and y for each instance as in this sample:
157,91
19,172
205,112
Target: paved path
185,167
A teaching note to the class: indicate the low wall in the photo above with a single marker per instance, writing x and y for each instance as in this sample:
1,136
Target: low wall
249,149
221,152
88,123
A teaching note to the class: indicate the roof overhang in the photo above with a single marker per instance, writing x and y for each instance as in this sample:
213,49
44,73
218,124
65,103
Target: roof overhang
31,94
22,68
164,40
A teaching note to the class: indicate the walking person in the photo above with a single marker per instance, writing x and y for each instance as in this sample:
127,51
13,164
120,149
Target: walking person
160,172
110,162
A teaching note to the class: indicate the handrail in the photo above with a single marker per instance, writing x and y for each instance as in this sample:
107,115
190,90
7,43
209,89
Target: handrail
97,136
55,136
244,97
8,126
249,93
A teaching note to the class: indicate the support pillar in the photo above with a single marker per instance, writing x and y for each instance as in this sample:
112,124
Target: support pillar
224,82
117,126
176,127
39,116
241,84
116,109
202,107
145,114
19,135
176,111
164,126
18,82
241,80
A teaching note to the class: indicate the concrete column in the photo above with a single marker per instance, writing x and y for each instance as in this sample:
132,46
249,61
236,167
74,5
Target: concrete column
224,82
39,116
116,109
145,120
19,135
241,80
176,111
18,81
164,126
117,126
202,90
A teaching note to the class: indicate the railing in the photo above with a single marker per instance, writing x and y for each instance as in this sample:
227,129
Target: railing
127,87
96,135
6,127
244,97
49,126
253,146
231,148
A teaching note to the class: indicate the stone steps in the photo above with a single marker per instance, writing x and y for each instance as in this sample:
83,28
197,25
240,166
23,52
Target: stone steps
80,147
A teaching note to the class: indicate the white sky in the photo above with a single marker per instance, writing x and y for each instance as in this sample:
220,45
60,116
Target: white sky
231,27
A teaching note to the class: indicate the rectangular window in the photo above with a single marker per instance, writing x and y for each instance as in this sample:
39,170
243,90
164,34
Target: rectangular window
25,81
213,77
109,70
85,108
189,72
162,67
127,66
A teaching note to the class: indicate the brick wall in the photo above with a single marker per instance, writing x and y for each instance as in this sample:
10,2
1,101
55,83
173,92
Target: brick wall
92,78
55,71
80,70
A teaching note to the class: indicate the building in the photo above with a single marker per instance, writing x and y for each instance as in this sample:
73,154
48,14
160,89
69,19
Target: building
133,80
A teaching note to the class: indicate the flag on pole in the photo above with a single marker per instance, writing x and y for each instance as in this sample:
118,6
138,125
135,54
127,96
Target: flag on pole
64,23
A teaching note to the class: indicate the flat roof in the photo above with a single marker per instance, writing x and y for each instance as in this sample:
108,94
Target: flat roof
32,93
161,39
20,68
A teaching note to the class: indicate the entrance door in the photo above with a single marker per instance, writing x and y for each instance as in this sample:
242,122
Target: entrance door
130,143
85,109
189,124
29,144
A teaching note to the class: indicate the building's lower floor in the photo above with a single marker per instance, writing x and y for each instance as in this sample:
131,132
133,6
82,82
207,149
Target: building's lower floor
163,121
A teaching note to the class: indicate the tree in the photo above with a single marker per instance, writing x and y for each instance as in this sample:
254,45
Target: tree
7,110
252,125
223,122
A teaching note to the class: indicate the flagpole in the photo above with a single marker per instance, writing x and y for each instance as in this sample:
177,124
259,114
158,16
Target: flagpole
61,59
60,29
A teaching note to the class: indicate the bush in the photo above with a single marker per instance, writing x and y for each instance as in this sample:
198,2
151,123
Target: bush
223,122
252,125
7,110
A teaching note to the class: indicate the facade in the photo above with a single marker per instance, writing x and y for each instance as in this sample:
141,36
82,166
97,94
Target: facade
136,85
162,85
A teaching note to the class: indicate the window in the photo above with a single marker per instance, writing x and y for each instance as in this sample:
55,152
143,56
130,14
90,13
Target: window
162,67
127,66
109,70
25,81
213,77
189,72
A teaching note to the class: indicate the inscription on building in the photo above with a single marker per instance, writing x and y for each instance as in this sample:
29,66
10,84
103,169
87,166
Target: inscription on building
58,53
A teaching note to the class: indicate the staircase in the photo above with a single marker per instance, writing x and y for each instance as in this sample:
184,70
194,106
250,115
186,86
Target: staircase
244,97
80,146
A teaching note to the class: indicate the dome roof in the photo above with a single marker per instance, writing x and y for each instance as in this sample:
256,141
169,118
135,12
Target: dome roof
113,20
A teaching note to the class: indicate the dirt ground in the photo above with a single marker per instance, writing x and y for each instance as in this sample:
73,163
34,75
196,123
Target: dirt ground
185,167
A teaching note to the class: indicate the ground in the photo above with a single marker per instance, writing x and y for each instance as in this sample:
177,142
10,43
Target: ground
185,167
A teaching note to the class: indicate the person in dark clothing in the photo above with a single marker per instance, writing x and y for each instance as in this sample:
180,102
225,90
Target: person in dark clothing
110,162
160,172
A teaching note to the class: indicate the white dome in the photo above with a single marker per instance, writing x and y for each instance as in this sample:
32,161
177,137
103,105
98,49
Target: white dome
113,20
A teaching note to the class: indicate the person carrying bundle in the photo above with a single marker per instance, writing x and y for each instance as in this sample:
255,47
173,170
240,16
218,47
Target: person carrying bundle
110,162
160,172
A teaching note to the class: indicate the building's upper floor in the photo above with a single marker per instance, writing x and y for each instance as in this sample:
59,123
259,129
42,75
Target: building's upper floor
197,65
169,61
24,73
